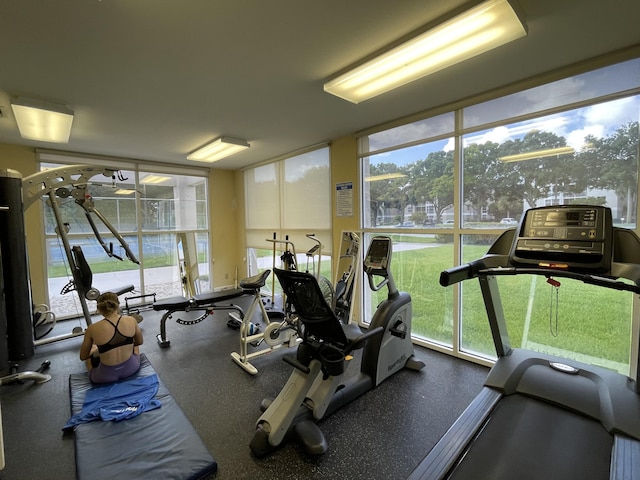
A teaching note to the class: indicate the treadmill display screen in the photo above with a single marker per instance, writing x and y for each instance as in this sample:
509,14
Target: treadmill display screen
571,236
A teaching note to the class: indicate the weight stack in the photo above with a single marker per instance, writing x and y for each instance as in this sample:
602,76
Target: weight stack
15,267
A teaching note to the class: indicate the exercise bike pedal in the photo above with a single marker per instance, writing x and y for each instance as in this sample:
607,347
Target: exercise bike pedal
399,330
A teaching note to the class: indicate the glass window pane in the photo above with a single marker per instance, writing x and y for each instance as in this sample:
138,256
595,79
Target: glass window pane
410,133
576,320
597,83
168,202
587,155
171,202
306,194
108,272
161,271
416,264
410,187
262,197
475,334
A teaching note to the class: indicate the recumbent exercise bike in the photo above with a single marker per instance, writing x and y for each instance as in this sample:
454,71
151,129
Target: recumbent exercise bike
317,387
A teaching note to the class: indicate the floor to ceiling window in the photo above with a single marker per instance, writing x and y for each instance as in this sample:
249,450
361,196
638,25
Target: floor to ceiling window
284,202
445,187
153,210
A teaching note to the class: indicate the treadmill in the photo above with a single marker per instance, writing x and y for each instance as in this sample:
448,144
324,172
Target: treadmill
540,416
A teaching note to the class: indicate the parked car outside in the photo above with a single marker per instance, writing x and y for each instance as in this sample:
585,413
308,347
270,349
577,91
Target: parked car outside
508,221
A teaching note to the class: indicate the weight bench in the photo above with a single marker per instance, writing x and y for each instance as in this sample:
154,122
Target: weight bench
207,303
159,443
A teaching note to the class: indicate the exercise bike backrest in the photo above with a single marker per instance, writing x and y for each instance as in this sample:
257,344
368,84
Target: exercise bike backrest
377,263
304,293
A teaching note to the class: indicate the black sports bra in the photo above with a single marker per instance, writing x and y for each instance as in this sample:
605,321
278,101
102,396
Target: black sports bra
118,339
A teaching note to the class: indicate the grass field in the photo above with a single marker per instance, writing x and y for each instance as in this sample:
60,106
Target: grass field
592,324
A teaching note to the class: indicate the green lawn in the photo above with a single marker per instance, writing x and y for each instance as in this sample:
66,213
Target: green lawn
591,321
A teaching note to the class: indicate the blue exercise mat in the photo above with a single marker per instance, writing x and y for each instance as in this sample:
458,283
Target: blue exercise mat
157,443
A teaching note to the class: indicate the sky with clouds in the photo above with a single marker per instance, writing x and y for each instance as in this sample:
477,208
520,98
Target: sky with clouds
599,120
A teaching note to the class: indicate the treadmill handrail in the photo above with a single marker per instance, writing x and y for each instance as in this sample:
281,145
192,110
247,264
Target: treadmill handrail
601,281
482,267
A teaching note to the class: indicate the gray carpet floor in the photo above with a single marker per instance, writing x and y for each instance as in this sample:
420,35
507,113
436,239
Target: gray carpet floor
384,434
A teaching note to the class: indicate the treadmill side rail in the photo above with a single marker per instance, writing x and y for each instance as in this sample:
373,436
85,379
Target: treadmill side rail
442,457
625,458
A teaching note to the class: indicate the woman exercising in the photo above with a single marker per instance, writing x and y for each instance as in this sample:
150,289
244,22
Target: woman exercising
110,346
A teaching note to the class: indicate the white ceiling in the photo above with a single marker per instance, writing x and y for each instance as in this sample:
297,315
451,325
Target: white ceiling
155,79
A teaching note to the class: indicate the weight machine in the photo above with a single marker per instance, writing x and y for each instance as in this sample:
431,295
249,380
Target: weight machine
54,184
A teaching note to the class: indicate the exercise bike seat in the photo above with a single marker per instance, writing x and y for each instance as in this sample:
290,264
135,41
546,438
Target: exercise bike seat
255,282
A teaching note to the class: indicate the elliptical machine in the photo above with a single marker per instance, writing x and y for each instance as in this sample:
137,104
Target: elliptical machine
317,387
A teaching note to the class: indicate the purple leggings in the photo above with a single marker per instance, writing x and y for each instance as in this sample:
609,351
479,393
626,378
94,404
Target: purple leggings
112,373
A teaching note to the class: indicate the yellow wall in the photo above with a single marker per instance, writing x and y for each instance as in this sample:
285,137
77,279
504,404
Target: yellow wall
23,160
344,168
224,222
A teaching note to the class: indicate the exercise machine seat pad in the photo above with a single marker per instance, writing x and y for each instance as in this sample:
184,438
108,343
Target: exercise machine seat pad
255,282
172,303
159,443
220,296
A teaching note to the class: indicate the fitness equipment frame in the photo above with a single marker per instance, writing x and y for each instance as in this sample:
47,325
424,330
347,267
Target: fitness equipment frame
498,434
277,333
72,181
280,327
317,387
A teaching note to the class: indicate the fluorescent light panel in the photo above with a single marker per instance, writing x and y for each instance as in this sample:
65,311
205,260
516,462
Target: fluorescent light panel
124,191
384,176
549,152
477,30
42,121
154,179
218,149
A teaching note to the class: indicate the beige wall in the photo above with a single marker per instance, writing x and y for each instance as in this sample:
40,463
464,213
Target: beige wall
224,222
344,168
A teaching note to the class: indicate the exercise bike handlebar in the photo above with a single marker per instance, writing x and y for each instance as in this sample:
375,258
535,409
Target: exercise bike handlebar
355,343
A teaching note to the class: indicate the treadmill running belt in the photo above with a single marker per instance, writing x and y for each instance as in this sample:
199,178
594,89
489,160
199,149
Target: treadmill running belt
529,439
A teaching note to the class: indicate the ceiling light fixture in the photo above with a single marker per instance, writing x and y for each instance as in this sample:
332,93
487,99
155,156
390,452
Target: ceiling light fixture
477,30
43,121
549,152
218,149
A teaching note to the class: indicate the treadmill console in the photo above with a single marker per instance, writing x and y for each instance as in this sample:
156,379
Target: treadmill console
573,237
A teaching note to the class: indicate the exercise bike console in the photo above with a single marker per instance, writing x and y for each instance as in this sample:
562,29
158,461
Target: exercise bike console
377,262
